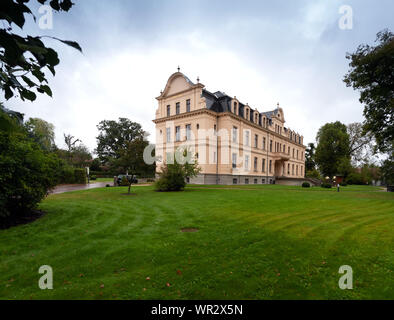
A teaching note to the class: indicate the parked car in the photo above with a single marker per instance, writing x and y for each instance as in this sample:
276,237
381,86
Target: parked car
122,177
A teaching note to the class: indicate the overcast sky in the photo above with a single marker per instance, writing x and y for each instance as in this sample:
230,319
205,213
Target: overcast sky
263,52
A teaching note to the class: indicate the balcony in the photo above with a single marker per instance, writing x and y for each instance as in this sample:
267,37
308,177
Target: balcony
281,156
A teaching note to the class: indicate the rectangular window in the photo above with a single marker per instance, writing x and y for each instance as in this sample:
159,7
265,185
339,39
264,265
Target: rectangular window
288,169
270,145
168,134
297,154
246,138
177,133
170,157
246,162
255,181
292,169
256,140
296,170
235,181
214,157
188,131
263,143
270,166
246,181
168,111
263,181
178,108
234,160
235,134
255,163
188,105
263,167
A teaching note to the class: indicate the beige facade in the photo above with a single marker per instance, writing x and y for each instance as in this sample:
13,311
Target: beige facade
232,142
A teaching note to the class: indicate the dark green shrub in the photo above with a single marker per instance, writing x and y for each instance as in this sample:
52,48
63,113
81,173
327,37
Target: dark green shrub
343,184
356,178
27,173
80,176
67,175
326,185
172,178
306,185
93,178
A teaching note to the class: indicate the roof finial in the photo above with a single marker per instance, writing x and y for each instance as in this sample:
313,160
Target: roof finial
278,105
198,79
179,68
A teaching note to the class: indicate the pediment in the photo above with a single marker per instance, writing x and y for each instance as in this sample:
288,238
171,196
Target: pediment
177,83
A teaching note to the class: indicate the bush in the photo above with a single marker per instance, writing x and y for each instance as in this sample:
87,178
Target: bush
67,175
93,178
306,185
171,179
356,178
326,185
150,180
27,173
343,184
80,176
173,176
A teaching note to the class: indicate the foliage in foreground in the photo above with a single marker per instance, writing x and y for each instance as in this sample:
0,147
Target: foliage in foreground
26,173
24,59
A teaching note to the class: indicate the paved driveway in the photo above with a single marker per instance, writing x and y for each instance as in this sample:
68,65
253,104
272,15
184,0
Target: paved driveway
75,187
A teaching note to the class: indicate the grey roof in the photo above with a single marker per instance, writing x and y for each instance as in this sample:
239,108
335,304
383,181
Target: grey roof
269,114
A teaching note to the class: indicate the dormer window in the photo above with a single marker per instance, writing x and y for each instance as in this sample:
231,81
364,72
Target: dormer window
235,108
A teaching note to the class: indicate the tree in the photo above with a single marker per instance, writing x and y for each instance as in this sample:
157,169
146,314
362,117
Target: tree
27,172
310,163
24,59
42,132
70,141
114,138
80,156
95,165
332,151
372,73
387,170
361,143
131,160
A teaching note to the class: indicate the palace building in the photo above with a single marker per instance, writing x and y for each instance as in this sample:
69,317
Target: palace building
232,142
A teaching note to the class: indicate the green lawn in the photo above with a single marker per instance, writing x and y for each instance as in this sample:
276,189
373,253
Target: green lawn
254,242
